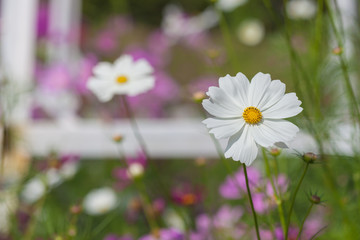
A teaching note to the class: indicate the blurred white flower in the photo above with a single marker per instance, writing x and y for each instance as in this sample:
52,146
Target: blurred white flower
250,114
100,201
135,170
68,170
53,178
125,77
251,32
229,5
176,24
33,190
301,9
174,220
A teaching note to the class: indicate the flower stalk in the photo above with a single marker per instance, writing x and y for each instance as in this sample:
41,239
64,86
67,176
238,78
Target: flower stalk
293,199
134,125
277,196
251,202
303,221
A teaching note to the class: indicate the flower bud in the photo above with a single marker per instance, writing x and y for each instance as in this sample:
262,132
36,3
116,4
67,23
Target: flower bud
310,157
315,199
337,50
213,53
118,138
275,152
75,209
198,96
200,161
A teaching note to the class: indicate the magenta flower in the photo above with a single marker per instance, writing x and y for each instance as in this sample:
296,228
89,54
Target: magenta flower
115,237
42,20
225,223
106,41
165,234
85,71
186,195
231,189
54,78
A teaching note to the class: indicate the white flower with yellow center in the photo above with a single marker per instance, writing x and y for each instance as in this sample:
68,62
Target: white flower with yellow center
124,77
250,114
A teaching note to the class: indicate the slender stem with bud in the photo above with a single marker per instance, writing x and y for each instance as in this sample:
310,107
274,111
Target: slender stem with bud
293,199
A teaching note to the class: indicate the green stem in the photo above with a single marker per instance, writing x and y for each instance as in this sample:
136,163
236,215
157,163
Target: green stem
277,198
134,126
303,221
293,200
251,202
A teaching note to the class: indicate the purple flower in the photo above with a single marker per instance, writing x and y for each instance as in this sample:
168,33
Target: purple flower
54,78
227,217
233,188
42,20
165,234
106,41
115,237
85,71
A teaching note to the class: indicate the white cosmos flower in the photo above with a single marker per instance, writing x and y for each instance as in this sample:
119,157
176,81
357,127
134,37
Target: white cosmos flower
229,5
100,201
301,9
125,77
250,114
251,32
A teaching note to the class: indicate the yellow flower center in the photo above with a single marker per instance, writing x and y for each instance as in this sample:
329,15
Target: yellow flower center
121,79
252,115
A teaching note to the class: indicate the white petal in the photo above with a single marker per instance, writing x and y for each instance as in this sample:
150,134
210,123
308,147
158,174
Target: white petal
103,89
242,147
258,86
123,65
288,106
220,104
141,85
103,70
270,132
237,87
224,128
140,68
273,94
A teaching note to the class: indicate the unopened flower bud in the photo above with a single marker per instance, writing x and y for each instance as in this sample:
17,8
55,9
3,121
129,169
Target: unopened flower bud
337,50
72,231
213,53
310,157
118,138
315,199
275,151
75,209
199,96
200,161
